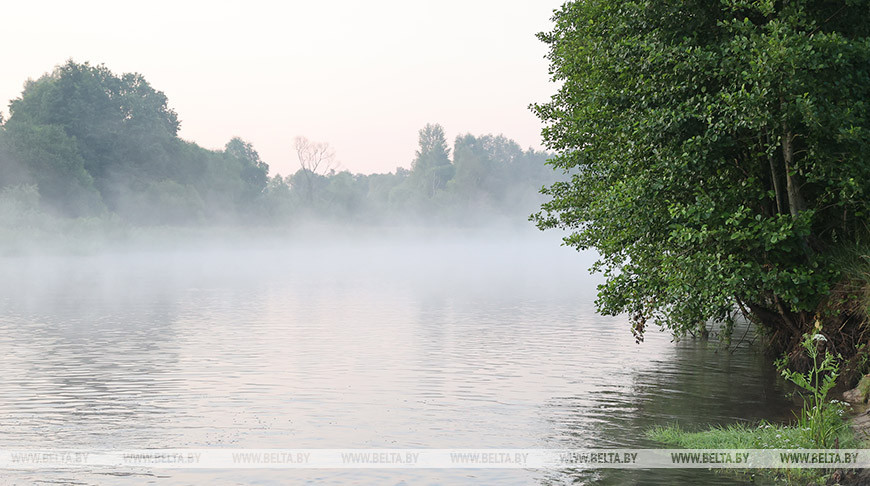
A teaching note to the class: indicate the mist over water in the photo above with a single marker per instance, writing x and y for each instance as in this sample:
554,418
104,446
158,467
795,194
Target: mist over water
347,340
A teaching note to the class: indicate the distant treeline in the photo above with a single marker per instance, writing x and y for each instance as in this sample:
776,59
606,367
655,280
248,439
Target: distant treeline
82,142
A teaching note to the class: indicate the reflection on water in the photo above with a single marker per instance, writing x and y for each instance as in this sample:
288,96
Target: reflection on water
466,343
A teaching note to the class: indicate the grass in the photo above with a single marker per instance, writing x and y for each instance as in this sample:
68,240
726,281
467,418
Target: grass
853,262
763,435
820,424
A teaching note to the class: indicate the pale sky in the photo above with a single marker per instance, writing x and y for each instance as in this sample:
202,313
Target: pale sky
363,76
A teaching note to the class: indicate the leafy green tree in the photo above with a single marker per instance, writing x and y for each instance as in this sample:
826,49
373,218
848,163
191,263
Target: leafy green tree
495,175
432,168
18,204
12,172
278,204
83,127
226,193
380,186
47,156
255,172
716,153
164,202
474,166
105,113
122,127
345,195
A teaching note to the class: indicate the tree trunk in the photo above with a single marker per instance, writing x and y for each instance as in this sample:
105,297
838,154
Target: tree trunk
792,187
777,186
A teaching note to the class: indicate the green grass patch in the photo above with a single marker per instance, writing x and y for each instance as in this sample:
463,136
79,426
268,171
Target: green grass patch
821,424
763,435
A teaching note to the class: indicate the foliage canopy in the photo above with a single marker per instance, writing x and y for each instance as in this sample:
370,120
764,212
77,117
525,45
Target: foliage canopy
83,142
717,153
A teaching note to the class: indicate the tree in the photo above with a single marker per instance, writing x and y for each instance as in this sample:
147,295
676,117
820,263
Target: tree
316,159
255,172
716,154
431,168
122,127
12,171
81,128
48,157
495,172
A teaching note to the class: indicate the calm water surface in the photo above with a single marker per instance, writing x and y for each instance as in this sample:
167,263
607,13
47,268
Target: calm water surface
461,342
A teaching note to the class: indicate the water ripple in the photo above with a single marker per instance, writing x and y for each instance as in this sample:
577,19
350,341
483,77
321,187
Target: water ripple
310,348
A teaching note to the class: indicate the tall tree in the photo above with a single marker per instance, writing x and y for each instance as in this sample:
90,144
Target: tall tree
123,128
82,127
12,171
48,157
716,153
255,172
432,167
316,160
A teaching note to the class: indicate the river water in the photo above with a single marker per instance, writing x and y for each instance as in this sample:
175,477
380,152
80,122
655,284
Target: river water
474,341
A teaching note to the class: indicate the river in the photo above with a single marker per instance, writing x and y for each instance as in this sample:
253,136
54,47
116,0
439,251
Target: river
473,341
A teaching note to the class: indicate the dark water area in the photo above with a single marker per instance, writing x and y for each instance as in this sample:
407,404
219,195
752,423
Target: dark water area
438,342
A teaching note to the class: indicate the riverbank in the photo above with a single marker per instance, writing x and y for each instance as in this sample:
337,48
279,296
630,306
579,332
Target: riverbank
859,423
821,424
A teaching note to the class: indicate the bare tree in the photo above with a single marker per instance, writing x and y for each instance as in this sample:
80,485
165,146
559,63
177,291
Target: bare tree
317,159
